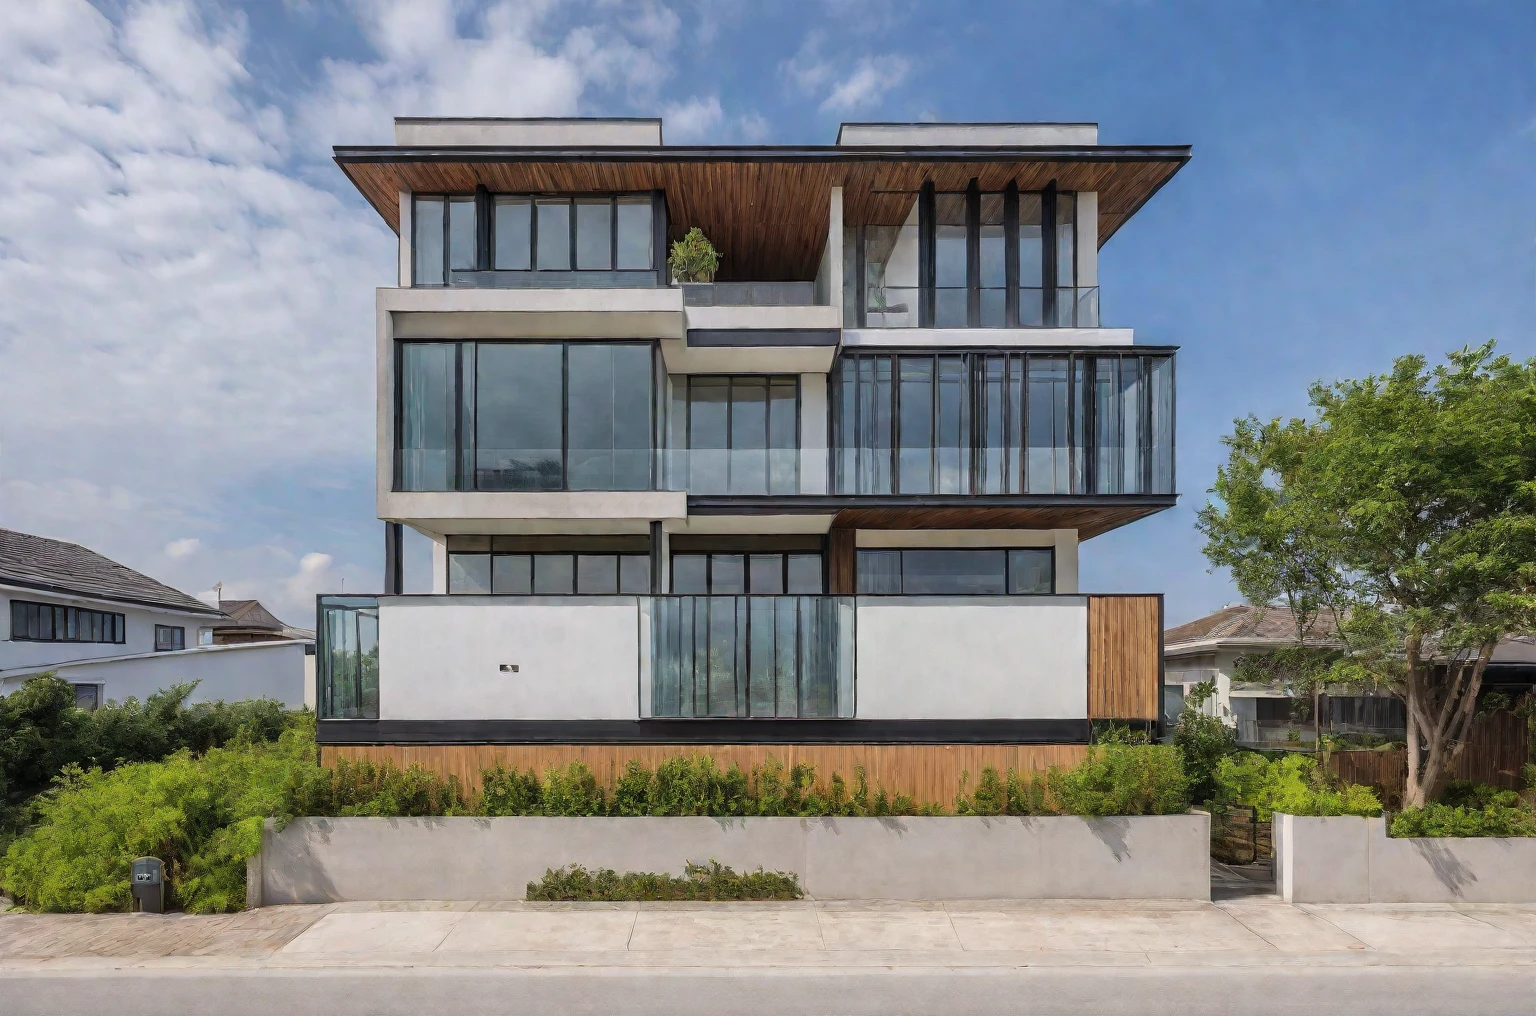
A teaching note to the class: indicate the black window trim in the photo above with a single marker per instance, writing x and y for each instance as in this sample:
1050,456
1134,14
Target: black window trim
572,554
464,449
1007,569
117,621
181,640
746,553
730,382
927,276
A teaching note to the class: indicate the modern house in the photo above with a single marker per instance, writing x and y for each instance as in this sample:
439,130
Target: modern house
1209,648
115,633
828,500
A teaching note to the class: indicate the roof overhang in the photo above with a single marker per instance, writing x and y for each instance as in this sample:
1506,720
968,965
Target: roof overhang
766,208
66,593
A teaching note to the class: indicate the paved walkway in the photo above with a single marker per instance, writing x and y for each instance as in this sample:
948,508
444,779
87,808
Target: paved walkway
1248,931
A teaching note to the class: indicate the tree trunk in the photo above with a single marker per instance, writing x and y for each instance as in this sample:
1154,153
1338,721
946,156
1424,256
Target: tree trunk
1444,726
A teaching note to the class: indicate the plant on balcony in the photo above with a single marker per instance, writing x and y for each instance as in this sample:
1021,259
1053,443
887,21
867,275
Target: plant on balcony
694,258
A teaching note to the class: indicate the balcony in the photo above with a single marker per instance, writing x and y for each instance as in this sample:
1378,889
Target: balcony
750,294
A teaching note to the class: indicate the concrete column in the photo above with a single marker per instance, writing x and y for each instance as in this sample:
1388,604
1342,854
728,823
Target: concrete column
813,433
404,278
1065,542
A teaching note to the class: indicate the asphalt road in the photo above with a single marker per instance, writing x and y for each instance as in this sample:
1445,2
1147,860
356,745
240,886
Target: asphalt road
1142,991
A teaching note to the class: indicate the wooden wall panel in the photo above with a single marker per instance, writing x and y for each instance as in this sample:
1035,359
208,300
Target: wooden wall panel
929,773
842,564
1124,657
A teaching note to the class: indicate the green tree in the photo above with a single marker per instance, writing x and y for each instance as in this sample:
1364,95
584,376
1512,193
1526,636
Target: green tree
1403,510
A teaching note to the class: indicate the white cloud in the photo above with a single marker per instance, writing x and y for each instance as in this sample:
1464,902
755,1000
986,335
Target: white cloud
316,574
183,548
808,71
186,305
872,77
694,120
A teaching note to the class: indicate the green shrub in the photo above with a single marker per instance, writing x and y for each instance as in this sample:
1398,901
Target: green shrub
572,792
504,791
1507,817
1293,783
1122,779
699,882
201,815
1203,741
361,788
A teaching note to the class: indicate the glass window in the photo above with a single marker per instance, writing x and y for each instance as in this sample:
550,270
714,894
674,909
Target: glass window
47,622
891,263
428,407
513,233
878,572
518,416
554,225
1031,570
994,264
1031,263
1160,410
347,658
949,261
953,572
461,235
469,573
597,574
87,696
635,573
1048,463
512,574
690,574
765,574
749,435
709,404
610,416
594,234
804,576
1066,239
743,434
554,574
952,427
727,574
169,638
915,458
427,240
634,234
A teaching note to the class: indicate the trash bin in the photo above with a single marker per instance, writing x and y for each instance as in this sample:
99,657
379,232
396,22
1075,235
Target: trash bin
148,886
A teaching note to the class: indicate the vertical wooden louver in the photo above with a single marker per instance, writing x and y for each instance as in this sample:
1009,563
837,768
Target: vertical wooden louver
1124,657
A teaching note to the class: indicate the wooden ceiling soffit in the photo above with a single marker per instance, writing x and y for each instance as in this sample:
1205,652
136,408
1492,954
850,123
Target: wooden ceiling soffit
767,215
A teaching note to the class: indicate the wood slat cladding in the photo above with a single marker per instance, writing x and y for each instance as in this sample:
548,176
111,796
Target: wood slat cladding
1088,521
842,553
929,773
766,211
1124,657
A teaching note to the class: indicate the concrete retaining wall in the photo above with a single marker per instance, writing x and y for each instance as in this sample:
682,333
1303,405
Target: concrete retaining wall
321,860
1353,860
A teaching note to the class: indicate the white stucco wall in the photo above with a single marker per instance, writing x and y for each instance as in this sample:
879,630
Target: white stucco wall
813,433
972,657
578,658
138,628
231,673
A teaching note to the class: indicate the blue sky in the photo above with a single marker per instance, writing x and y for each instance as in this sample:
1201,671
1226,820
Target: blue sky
186,280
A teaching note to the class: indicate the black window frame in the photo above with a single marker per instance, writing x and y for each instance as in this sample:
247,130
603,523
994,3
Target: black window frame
685,400
1081,423
70,619
485,234
465,469
903,551
180,641
493,547
926,199
746,554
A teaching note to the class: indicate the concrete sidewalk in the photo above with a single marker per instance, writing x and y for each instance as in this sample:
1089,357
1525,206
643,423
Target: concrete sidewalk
1256,955
1255,930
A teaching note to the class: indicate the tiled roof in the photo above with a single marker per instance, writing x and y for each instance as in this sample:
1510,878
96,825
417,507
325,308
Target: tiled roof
1244,622
37,562
248,614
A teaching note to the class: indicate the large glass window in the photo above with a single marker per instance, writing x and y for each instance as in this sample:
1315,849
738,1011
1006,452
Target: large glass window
755,573
741,432
1002,423
633,234
956,572
347,658
995,260
511,566
525,416
528,233
49,622
442,237
512,233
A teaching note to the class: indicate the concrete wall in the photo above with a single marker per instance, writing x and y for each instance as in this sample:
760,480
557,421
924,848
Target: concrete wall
1352,860
966,135
138,629
277,670
578,658
516,132
320,860
999,657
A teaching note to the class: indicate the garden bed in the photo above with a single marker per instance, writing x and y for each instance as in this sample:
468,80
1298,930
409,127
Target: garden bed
323,860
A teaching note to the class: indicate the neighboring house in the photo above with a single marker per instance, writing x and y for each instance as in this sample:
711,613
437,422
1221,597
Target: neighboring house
115,633
1208,649
247,621
833,497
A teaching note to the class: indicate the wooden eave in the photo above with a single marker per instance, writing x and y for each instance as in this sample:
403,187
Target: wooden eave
766,209
1090,515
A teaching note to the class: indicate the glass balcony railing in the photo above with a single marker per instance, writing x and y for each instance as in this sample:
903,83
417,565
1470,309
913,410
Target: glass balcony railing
749,294
752,656
347,658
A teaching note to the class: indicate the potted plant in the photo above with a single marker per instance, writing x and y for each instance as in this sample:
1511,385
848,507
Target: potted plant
693,258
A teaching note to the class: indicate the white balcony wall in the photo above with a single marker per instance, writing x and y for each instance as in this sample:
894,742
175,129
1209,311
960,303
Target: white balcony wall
577,658
951,658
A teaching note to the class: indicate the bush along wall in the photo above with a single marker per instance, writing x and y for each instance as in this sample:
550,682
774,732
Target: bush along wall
711,881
